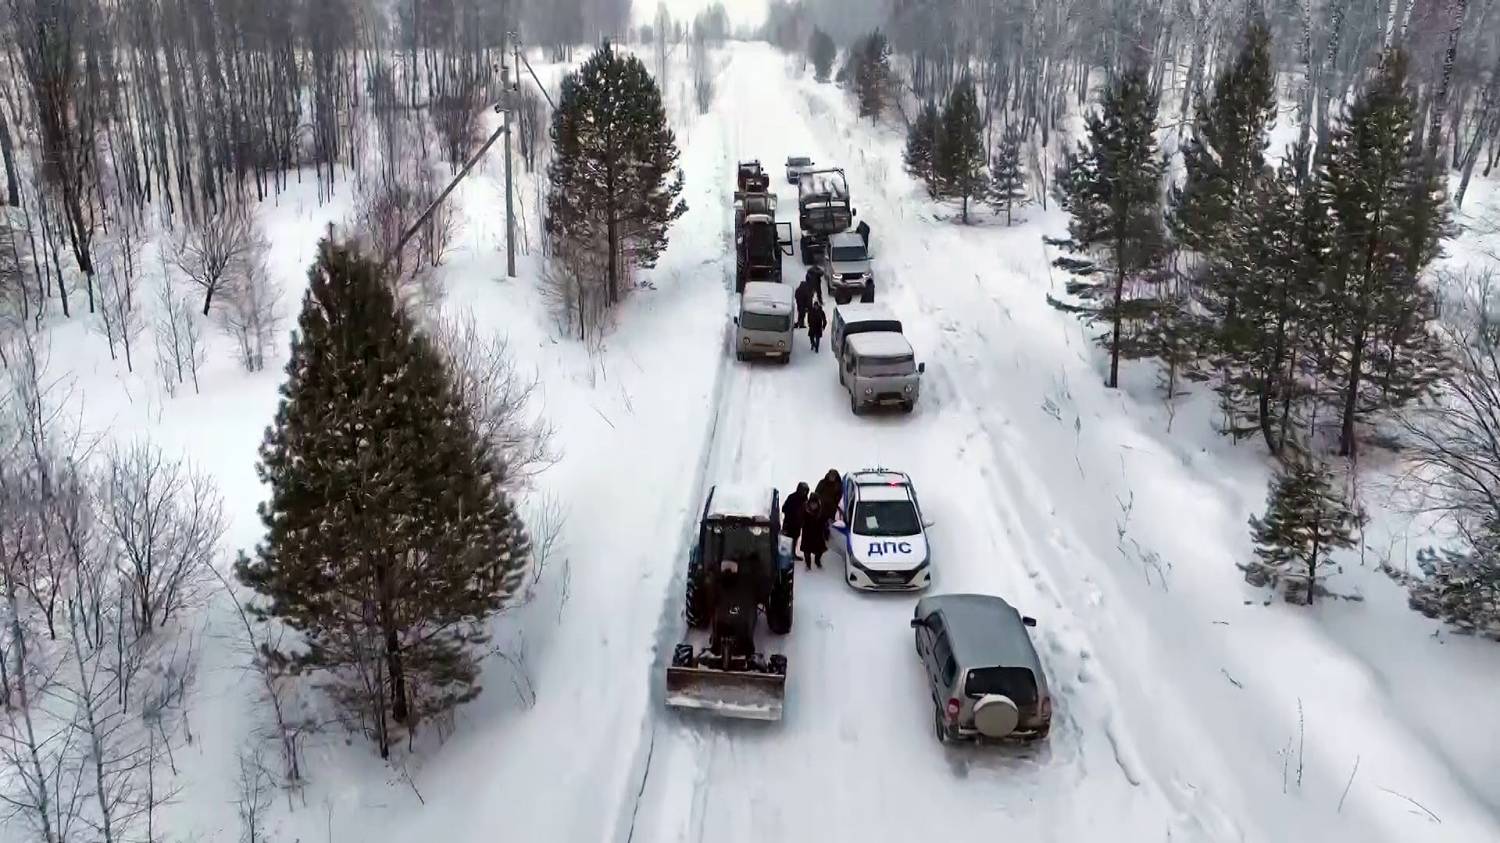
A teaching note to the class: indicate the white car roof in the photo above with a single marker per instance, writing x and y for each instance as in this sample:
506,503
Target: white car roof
864,312
735,500
878,477
768,292
879,344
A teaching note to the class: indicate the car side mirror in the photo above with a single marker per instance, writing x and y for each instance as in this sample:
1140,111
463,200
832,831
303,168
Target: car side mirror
1028,621
928,523
853,212
921,368
916,623
736,320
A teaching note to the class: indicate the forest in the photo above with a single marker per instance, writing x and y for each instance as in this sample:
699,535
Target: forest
1296,171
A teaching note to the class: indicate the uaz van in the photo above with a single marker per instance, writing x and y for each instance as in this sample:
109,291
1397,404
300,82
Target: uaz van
764,325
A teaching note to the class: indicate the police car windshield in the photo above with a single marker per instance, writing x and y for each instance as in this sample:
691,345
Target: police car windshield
886,518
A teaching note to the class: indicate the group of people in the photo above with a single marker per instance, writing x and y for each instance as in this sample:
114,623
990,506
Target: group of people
810,313
806,515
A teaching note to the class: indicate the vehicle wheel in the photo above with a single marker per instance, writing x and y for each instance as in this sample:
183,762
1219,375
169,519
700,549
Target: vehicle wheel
853,404
786,358
695,608
740,356
779,604
682,655
777,664
1039,735
908,406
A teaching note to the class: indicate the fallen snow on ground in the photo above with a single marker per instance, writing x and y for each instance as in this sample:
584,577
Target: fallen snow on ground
1186,709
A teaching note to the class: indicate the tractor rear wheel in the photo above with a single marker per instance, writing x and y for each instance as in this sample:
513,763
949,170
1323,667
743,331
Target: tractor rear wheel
777,664
682,655
695,607
779,604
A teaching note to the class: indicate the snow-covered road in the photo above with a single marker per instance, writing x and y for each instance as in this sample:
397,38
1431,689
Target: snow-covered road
1177,718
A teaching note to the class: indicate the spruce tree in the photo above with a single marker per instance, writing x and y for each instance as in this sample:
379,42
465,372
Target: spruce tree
1305,522
871,69
1461,588
921,143
1111,187
389,540
821,49
614,177
1007,180
1213,214
1275,251
1384,198
960,164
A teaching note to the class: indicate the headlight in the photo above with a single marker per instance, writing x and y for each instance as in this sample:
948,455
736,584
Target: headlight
782,344
744,340
838,276
868,390
908,389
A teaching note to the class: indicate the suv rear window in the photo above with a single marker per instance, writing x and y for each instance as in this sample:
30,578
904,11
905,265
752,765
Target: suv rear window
1014,682
868,325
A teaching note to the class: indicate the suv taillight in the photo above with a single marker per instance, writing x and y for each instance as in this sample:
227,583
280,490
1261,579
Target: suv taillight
953,709
1045,709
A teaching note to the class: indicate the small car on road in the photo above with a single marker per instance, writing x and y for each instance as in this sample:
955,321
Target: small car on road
982,669
796,165
881,533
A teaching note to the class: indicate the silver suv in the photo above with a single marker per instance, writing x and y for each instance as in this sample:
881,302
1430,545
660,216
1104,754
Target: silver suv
983,672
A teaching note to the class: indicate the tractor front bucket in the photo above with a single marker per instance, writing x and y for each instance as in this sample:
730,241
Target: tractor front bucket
746,695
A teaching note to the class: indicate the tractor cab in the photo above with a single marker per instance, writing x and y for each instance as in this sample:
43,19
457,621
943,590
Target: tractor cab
752,178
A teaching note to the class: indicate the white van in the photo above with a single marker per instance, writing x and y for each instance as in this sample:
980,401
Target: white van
879,369
763,327
859,318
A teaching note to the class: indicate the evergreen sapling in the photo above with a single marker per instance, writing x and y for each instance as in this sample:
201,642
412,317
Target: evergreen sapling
1305,521
1007,180
921,140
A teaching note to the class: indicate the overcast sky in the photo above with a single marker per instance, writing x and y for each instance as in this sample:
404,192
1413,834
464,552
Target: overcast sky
740,11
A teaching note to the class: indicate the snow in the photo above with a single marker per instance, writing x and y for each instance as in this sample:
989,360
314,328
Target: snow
734,500
880,344
1185,709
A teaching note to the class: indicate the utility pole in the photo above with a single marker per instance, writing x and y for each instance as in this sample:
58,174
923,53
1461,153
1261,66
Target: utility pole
510,209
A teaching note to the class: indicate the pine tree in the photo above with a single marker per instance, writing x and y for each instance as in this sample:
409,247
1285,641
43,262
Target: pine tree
1384,197
1007,180
1461,588
389,541
959,164
921,141
1276,251
871,70
612,176
823,51
1111,186
1305,522
1213,214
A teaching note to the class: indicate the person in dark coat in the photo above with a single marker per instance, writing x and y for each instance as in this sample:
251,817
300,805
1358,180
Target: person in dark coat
793,511
868,295
817,320
814,532
830,489
804,298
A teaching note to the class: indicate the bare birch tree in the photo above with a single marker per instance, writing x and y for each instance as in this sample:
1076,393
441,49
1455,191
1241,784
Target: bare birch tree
214,252
252,316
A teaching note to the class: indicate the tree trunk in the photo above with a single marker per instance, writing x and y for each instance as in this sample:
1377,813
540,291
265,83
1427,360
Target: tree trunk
393,664
1440,99
8,156
1114,343
1351,393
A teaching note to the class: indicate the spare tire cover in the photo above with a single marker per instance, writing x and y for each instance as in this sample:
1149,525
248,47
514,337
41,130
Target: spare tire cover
995,716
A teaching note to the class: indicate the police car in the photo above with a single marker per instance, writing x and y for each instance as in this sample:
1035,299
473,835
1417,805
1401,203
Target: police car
882,534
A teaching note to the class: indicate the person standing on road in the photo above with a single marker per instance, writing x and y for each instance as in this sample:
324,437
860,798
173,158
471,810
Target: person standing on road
804,299
793,511
868,295
814,532
817,320
830,489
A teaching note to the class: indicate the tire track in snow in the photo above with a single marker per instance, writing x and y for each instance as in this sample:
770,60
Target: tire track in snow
670,623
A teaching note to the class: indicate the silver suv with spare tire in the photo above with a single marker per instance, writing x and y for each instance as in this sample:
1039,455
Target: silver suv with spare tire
982,670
